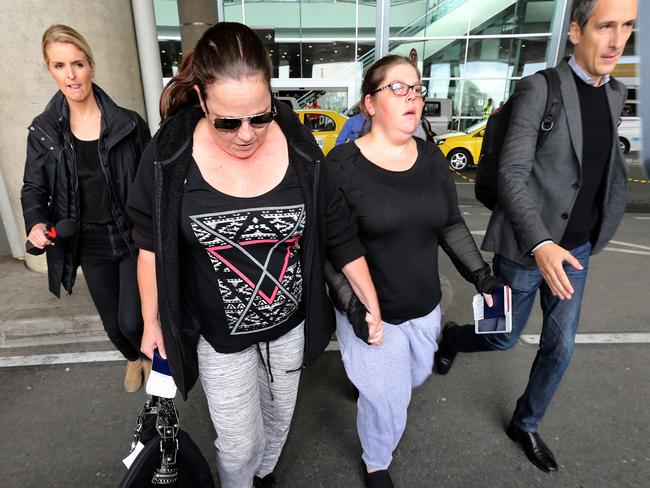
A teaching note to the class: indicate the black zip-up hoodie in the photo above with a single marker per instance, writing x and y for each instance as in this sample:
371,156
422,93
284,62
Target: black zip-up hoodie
154,205
50,190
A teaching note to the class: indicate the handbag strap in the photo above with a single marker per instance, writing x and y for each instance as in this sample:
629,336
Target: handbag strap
167,425
149,408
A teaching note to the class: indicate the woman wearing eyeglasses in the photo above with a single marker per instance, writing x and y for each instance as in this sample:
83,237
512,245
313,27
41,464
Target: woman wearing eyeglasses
233,219
404,200
82,155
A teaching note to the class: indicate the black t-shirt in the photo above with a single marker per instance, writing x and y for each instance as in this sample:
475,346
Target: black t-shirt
596,151
240,261
399,215
93,192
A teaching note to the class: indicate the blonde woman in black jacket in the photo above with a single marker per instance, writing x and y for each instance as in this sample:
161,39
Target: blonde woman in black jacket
82,155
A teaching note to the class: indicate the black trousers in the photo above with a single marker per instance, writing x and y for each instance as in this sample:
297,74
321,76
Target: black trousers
111,274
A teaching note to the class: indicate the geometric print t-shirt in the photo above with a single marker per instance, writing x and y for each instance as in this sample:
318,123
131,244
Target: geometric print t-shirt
241,261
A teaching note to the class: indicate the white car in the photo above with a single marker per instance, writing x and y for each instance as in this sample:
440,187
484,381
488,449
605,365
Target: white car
629,134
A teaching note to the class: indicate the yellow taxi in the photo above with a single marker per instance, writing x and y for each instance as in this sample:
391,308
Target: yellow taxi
462,149
324,125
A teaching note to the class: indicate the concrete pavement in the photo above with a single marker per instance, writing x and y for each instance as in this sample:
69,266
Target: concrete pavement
69,426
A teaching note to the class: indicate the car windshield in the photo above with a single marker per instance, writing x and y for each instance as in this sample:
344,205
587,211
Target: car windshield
475,127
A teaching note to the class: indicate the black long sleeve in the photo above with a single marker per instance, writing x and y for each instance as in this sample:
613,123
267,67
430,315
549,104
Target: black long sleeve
400,217
35,194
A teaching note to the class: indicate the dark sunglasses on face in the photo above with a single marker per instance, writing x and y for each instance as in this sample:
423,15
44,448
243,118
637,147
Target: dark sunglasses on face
232,124
401,89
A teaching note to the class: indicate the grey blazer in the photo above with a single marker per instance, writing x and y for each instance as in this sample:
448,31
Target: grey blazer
537,189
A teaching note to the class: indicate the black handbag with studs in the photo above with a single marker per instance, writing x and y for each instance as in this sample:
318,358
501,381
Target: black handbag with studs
170,457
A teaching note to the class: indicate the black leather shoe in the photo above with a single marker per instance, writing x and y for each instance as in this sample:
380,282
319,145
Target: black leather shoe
267,482
379,479
445,355
532,444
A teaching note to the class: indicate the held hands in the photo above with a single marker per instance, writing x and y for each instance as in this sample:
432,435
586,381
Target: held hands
488,299
152,338
487,284
38,236
375,329
550,258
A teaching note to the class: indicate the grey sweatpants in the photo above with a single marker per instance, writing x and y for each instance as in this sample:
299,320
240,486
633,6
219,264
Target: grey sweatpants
385,376
251,414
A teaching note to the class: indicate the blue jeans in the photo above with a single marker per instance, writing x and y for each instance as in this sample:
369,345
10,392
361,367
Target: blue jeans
559,327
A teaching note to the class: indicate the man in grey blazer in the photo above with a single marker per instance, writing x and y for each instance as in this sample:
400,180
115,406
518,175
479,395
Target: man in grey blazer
558,204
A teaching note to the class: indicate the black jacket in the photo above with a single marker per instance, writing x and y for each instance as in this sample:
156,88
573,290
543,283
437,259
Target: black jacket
50,185
155,204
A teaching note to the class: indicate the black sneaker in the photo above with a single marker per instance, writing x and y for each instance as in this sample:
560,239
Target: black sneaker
379,479
267,482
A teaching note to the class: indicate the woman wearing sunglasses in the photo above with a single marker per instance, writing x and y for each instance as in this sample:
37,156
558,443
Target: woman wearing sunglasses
404,200
233,219
82,155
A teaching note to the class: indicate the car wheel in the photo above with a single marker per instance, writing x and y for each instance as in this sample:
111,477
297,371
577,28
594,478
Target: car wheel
624,145
459,159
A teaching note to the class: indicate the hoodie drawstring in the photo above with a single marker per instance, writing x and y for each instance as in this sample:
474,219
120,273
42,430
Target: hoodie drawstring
267,366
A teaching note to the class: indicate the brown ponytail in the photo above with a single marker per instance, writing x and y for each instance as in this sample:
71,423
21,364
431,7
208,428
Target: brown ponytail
226,51
179,91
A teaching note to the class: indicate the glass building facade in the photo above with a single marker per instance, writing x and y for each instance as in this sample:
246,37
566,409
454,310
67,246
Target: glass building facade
467,50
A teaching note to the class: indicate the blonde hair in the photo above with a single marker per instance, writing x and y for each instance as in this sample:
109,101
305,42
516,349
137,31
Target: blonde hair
63,33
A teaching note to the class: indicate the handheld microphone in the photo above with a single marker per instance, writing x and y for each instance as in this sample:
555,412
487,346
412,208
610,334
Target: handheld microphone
62,230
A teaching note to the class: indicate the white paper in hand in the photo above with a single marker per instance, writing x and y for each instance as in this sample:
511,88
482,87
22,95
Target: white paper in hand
160,382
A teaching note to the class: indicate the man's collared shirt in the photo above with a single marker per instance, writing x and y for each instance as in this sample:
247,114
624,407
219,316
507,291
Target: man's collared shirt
584,76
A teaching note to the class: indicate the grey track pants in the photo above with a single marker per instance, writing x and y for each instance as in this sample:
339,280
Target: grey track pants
251,396
385,376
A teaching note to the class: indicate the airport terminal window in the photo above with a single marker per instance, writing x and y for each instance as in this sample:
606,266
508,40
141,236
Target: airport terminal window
285,59
532,56
314,59
367,18
476,94
520,17
328,59
334,39
451,17
408,18
303,18
505,57
444,58
429,17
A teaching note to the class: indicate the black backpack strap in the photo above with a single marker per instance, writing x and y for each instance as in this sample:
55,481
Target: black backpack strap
553,104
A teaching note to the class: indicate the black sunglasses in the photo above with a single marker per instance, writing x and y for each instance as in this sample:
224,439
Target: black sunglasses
232,124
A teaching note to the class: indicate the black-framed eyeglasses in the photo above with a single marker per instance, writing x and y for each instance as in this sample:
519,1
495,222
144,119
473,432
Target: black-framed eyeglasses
401,89
232,124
